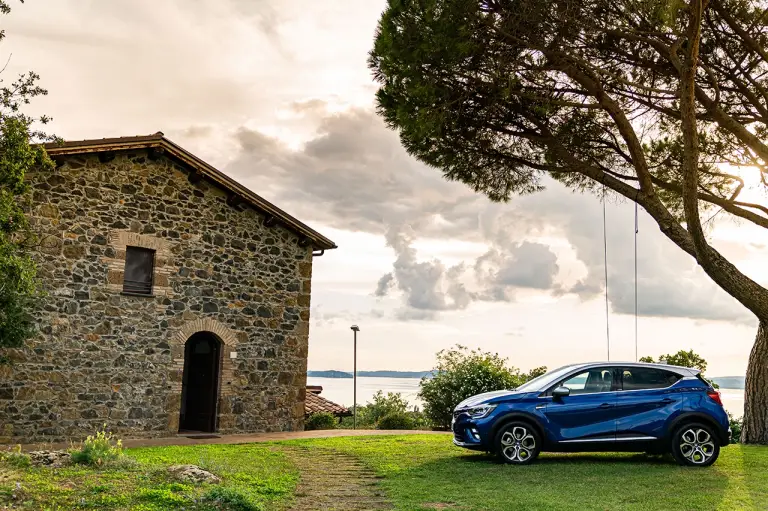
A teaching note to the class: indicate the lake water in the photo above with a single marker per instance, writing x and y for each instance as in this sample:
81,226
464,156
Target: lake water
339,390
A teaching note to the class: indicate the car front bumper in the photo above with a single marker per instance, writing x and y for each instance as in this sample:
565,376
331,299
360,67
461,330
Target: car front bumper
466,434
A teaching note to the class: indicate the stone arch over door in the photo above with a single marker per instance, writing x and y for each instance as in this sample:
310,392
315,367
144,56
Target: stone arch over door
229,341
223,332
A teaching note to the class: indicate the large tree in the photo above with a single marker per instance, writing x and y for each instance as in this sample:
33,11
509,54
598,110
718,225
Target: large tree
18,154
661,102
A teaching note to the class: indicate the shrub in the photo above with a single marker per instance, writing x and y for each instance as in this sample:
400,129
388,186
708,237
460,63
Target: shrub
420,421
381,406
320,420
461,373
368,415
15,457
396,420
231,499
98,449
735,428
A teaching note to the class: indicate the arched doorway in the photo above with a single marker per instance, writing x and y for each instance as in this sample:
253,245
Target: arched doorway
200,383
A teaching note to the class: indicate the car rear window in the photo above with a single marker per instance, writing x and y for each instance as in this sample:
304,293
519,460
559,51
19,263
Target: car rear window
641,378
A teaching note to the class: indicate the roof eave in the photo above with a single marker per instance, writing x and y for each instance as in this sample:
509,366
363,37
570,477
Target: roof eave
317,240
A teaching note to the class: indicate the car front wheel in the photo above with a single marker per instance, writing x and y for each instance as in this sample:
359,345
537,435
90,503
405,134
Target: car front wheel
695,445
518,443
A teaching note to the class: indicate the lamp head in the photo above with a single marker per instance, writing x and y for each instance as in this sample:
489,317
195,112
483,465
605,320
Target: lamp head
355,328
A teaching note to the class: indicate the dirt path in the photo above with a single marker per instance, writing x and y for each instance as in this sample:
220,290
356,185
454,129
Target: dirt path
331,481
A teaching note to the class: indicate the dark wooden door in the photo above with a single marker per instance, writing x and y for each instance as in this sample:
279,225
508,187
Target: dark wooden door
200,384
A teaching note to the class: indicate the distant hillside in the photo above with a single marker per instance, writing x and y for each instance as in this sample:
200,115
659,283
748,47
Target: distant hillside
394,374
369,374
729,382
328,374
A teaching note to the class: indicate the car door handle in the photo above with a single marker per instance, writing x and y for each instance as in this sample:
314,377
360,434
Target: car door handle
667,400
606,405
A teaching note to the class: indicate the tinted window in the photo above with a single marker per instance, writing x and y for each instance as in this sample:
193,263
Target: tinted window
639,378
590,382
139,264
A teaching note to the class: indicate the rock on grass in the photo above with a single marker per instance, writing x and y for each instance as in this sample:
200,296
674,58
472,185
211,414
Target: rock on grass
193,474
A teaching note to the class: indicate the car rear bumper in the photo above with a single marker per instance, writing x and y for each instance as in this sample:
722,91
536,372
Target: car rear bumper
727,440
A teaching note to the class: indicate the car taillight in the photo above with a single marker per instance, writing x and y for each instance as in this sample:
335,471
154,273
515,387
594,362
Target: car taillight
714,395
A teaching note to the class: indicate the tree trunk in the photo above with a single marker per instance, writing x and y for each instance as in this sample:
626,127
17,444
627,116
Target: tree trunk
755,428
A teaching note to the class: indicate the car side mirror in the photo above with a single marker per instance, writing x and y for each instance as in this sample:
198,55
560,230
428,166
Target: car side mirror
561,392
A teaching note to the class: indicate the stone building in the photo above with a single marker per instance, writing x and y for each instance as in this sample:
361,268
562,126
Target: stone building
176,300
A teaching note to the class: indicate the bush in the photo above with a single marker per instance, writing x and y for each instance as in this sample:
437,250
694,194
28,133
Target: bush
461,373
735,428
420,421
372,412
396,420
15,457
98,449
230,499
320,420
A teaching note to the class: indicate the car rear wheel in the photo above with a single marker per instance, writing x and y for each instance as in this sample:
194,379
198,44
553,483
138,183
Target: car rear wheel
518,443
695,445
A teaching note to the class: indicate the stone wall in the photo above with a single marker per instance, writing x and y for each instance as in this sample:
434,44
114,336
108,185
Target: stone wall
104,357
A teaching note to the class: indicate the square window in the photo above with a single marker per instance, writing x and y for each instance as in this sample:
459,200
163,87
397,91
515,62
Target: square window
139,265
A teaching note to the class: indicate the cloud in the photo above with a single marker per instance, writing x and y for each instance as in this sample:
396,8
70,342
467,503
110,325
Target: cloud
354,175
428,286
365,181
344,316
197,132
386,282
522,265
116,68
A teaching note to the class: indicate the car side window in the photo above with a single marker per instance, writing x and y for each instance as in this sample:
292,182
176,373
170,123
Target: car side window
590,382
642,378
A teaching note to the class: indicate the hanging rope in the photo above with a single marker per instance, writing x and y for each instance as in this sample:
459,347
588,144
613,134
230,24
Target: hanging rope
605,265
637,229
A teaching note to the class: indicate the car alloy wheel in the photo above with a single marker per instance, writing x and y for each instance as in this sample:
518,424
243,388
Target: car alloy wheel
695,445
518,443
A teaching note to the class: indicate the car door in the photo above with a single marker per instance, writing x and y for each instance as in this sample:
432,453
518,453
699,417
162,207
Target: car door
587,414
647,399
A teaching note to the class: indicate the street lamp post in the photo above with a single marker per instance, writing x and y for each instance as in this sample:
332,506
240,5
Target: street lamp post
355,329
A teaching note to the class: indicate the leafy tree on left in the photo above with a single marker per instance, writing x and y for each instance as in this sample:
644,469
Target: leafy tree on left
18,154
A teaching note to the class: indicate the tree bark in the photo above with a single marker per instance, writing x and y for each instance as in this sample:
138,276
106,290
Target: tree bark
755,427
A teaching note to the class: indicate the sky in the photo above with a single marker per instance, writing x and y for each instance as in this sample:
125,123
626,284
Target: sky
281,99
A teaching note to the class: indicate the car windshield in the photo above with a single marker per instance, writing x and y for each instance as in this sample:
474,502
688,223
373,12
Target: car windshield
545,380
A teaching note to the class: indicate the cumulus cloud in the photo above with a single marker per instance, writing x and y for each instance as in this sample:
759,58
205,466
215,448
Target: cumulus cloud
523,265
354,175
428,286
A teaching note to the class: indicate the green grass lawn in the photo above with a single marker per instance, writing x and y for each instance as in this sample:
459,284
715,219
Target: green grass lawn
420,472
256,475
423,472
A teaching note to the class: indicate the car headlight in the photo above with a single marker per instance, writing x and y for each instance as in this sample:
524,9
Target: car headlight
480,411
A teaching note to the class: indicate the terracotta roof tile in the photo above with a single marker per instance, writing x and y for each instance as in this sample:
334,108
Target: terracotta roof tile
314,404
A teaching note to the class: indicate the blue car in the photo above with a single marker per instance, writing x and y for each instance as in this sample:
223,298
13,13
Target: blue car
600,406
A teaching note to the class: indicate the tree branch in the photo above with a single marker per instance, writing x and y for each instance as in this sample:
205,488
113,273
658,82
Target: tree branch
749,293
747,39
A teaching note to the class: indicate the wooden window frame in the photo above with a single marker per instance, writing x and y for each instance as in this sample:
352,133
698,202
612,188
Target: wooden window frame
139,287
